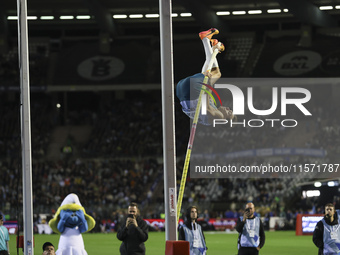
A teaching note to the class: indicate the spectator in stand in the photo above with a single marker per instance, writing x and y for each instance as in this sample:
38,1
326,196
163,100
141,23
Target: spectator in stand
206,215
229,214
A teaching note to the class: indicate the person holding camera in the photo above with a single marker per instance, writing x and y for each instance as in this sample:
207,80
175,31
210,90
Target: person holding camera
192,232
326,235
251,232
133,233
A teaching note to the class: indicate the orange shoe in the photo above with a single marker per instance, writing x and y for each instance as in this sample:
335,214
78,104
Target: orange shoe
209,33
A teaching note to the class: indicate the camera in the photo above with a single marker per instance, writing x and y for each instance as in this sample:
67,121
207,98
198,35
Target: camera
247,210
131,216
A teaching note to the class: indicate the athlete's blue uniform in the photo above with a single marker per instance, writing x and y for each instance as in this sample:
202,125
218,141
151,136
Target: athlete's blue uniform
187,91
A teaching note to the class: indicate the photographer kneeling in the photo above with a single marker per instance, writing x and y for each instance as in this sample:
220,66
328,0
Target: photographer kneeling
134,233
251,232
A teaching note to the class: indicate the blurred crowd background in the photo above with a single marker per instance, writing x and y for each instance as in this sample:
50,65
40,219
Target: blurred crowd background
97,123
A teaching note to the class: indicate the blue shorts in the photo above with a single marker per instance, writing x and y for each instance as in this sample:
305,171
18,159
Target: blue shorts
189,88
188,91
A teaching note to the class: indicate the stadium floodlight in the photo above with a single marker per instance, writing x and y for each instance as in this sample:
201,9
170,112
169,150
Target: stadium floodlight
313,193
285,10
274,10
239,12
326,8
174,15
331,184
66,17
119,16
32,17
150,16
136,16
254,12
12,17
317,184
58,105
83,17
337,7
222,13
47,17
186,14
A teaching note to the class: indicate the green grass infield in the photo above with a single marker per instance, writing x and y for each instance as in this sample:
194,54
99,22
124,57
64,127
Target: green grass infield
219,243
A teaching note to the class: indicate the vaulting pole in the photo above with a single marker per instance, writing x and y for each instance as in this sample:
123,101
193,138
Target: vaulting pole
192,136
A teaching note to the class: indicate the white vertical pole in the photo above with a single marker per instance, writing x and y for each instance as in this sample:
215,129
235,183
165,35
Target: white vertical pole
25,127
169,154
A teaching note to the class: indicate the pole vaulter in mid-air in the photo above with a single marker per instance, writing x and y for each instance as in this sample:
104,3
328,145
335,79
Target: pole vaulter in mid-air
198,85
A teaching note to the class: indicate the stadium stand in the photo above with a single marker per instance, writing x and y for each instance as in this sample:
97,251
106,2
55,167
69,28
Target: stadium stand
239,47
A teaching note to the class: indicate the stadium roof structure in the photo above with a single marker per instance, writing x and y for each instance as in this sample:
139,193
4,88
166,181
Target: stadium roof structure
140,17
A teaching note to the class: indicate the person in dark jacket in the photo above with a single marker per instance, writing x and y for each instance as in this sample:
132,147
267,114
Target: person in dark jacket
326,235
251,232
193,233
133,233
